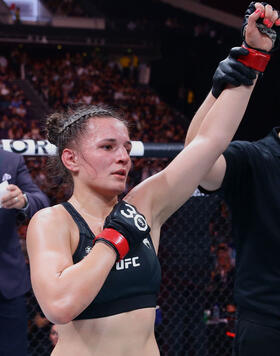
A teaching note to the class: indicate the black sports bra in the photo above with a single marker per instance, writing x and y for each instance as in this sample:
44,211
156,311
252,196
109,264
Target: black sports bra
133,283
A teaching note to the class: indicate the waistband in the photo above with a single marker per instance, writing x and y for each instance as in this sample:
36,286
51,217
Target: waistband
259,318
96,310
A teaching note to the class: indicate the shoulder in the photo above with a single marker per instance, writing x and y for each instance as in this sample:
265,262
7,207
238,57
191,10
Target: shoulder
241,151
54,217
49,228
247,146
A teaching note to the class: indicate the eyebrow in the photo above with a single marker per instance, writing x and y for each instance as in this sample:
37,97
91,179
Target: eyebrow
113,140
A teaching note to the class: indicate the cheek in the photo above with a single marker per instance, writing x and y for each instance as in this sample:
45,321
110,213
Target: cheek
94,165
97,169
90,170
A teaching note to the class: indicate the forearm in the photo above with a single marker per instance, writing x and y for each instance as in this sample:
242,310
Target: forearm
229,72
76,286
225,115
199,117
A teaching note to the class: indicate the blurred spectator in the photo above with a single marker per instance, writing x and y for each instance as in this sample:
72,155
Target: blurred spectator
65,7
220,225
125,63
144,73
222,279
3,63
53,335
17,15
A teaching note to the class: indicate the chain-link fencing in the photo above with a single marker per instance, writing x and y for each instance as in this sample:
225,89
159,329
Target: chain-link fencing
196,312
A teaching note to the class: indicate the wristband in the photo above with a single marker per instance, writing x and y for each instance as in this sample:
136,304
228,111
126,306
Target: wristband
255,59
114,239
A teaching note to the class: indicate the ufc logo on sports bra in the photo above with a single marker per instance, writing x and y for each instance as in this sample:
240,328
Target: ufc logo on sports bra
139,220
127,262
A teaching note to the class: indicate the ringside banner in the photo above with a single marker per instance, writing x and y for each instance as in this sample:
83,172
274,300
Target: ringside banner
29,147
45,148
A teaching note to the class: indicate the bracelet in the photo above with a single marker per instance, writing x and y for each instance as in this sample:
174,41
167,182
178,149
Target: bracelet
256,60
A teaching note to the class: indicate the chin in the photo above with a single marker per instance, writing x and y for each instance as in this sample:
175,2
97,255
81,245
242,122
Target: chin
120,190
113,191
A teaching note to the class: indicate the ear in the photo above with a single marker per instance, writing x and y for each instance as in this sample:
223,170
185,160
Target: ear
70,160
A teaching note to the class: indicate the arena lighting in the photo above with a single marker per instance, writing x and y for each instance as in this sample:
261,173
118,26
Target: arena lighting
29,9
45,148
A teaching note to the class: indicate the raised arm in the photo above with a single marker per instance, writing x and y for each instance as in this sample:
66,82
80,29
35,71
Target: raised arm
162,194
216,124
231,71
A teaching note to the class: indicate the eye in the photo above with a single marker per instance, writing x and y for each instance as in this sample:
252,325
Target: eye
107,147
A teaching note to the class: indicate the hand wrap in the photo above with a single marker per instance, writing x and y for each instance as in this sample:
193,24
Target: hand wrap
230,71
124,229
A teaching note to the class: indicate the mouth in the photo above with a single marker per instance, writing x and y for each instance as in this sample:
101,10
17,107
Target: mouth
120,173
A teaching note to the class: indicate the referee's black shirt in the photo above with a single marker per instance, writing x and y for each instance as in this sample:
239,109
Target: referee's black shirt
251,188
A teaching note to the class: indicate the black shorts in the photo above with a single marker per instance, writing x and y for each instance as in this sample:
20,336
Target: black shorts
255,339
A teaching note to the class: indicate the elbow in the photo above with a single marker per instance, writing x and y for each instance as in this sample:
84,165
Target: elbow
215,144
222,139
60,313
219,146
222,143
219,142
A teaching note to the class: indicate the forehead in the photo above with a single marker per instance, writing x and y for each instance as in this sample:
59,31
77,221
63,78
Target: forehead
107,127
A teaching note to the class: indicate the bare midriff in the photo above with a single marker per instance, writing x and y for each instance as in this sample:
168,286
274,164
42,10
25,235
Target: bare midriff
125,334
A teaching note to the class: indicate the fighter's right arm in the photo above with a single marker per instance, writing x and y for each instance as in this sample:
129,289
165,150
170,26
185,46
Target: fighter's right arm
63,289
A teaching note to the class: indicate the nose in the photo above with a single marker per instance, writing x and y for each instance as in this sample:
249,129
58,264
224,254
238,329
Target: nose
123,155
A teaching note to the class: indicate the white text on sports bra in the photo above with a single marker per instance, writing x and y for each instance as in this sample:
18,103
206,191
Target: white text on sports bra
127,263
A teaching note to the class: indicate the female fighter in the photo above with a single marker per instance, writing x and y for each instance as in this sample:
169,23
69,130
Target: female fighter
94,265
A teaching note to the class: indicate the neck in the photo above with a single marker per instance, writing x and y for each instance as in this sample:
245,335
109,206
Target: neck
92,204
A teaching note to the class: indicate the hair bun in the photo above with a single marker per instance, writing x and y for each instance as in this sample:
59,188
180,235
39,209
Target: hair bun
54,123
